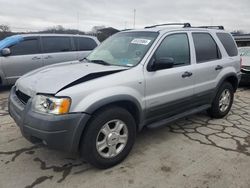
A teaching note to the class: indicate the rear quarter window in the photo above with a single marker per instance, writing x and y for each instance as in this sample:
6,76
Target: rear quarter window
228,43
84,43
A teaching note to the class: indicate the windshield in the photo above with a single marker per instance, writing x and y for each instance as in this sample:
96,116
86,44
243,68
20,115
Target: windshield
244,51
123,49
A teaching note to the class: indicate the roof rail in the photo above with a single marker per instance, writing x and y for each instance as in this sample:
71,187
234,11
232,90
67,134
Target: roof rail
169,24
220,27
126,29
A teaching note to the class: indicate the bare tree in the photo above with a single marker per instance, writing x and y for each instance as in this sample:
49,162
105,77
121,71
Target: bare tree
61,30
239,32
95,29
4,28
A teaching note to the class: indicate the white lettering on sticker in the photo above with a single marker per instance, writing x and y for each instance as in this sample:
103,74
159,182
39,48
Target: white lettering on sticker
141,41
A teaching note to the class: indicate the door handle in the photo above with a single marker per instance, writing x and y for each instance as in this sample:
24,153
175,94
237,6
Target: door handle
218,67
36,58
186,74
47,57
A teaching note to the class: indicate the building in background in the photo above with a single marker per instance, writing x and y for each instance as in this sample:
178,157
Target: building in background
104,33
242,39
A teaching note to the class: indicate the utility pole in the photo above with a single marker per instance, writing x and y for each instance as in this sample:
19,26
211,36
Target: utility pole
125,25
134,17
78,22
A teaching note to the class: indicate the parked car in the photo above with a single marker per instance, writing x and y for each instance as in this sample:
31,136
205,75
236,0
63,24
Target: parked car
134,79
20,54
245,65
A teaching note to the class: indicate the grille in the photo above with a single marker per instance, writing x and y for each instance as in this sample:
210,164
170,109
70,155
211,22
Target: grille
22,97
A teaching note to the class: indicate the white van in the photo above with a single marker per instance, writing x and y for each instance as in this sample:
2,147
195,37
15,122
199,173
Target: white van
20,54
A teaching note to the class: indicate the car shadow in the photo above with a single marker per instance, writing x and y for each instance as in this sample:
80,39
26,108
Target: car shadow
5,88
244,86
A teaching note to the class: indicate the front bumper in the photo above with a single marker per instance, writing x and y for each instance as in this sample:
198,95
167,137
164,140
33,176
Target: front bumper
62,132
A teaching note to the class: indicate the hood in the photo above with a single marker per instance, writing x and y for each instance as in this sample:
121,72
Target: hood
55,78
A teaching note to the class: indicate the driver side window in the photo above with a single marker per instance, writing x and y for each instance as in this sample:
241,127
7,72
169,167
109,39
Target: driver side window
175,46
26,47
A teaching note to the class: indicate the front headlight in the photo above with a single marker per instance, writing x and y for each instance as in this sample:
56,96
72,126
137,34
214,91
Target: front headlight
51,105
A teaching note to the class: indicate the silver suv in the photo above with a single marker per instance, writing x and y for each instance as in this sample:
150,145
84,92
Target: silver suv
135,79
20,54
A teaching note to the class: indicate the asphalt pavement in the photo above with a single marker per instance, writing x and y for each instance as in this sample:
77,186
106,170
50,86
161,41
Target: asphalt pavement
193,152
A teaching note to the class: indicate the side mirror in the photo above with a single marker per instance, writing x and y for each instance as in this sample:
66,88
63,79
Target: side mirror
162,63
5,52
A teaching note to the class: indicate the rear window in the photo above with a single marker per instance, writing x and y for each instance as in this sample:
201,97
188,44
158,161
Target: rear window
56,44
206,48
84,43
228,43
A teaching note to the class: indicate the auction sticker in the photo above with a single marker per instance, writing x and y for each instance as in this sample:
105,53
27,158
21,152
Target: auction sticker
141,41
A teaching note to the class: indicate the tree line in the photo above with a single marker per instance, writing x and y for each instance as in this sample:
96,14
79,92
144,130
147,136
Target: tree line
101,32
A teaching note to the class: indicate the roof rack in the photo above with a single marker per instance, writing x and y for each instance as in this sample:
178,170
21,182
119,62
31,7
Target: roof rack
220,27
126,29
169,24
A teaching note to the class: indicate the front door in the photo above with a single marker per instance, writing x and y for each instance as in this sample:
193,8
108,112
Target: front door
169,91
25,56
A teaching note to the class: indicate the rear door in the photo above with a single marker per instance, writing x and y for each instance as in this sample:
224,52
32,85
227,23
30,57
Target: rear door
84,45
209,64
25,56
57,49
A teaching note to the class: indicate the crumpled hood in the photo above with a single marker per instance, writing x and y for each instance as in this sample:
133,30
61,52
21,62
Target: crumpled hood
52,79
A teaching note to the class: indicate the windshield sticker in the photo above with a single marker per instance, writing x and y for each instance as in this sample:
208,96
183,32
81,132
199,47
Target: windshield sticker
141,41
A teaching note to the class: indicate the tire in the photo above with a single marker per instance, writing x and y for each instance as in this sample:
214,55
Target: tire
112,154
217,110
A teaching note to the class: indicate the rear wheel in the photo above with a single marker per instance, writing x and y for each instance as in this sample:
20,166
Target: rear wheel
109,137
223,101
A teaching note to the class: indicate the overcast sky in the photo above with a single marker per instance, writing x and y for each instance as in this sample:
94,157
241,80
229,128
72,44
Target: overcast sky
33,15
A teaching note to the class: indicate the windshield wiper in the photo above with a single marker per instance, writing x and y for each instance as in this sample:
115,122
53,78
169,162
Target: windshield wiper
84,59
99,61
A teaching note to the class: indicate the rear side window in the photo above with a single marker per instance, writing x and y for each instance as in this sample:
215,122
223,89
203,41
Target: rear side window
228,43
205,47
26,47
56,44
84,43
175,46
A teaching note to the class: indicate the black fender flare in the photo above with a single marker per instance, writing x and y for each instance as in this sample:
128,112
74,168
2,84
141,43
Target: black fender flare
113,99
98,105
222,80
116,99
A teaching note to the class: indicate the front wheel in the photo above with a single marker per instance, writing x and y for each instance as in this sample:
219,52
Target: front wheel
223,101
109,137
